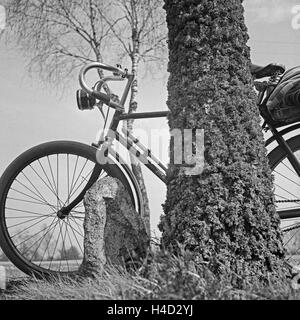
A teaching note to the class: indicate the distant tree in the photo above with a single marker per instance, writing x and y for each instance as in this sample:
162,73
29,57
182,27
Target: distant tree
28,244
71,253
140,34
226,215
58,36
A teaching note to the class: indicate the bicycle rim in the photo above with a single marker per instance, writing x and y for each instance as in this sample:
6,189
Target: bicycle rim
287,197
33,189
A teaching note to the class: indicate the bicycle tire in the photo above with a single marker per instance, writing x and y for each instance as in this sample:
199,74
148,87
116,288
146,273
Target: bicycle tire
16,199
287,196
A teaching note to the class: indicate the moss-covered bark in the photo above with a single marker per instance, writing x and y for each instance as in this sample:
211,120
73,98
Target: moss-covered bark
226,215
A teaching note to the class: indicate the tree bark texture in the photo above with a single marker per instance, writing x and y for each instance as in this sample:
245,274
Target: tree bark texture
226,215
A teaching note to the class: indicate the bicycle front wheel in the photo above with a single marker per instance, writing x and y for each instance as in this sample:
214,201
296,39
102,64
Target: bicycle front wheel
32,191
287,197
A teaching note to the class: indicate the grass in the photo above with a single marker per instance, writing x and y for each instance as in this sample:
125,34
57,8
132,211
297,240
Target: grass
165,277
114,284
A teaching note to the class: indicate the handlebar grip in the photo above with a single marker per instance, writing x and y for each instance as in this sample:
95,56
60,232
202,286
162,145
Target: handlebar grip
99,95
98,65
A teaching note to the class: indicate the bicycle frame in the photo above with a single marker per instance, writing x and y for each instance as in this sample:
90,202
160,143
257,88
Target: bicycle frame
143,154
264,93
132,144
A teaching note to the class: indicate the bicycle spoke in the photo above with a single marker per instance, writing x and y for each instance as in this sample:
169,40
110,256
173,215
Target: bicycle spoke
57,174
52,175
290,239
280,187
71,245
25,211
292,256
66,257
78,177
78,226
83,180
18,224
68,222
21,217
34,187
41,238
73,229
68,184
30,227
40,198
44,171
78,218
63,245
53,253
49,241
53,192
27,201
31,197
280,196
75,168
287,197
77,215
291,169
32,236
79,205
297,184
80,212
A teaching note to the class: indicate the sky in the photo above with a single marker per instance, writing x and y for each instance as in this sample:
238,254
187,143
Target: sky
32,113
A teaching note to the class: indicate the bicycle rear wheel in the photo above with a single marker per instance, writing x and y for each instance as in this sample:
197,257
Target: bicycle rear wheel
287,197
33,189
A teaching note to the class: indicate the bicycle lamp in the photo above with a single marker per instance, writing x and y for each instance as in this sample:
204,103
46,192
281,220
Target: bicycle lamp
84,100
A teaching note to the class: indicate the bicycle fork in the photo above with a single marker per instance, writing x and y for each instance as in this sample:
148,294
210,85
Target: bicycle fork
65,211
103,151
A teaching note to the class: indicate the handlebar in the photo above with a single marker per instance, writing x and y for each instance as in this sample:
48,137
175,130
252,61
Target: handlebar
118,73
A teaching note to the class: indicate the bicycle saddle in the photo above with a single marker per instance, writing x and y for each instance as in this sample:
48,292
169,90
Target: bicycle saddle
266,71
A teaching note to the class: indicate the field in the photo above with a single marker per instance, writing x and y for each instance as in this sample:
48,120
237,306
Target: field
12,272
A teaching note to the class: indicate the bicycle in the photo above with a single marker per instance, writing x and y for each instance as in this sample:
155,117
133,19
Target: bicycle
42,190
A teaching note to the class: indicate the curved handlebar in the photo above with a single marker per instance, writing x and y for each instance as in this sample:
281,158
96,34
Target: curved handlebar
120,75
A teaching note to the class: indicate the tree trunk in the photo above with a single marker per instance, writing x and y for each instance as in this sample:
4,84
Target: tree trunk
226,215
135,165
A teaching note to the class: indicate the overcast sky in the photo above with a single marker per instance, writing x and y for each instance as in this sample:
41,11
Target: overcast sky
31,113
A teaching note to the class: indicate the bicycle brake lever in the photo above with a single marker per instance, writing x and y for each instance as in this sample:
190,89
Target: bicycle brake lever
116,73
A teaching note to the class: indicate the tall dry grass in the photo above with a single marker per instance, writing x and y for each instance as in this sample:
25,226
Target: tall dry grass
164,276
